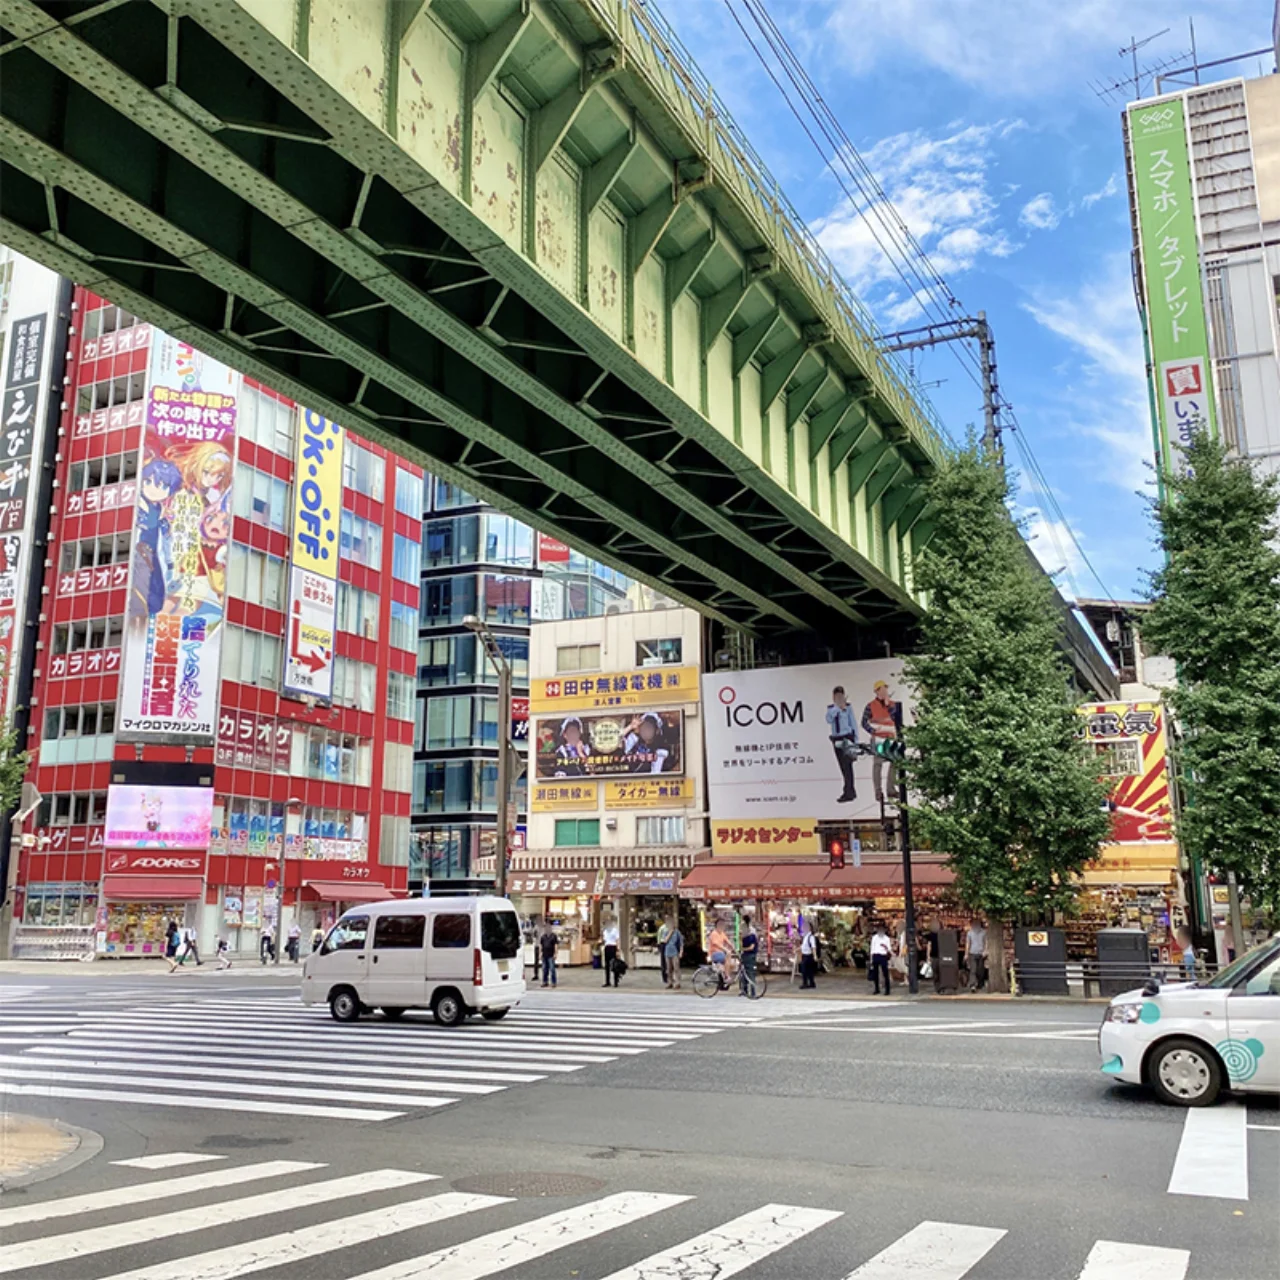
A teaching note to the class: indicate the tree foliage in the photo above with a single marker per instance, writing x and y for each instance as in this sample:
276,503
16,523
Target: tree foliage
1000,782
13,768
1216,613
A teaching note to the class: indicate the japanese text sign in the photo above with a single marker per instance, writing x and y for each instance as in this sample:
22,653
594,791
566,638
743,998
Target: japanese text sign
751,838
648,792
645,687
545,797
1128,741
317,494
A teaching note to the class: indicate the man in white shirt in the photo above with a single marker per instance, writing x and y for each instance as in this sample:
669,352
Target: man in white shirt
881,949
975,951
808,960
611,937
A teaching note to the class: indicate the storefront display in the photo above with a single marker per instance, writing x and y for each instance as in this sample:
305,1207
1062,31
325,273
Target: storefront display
56,905
138,928
1152,908
570,917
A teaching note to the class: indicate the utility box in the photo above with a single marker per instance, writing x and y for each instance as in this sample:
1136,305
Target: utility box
1124,960
946,964
1041,957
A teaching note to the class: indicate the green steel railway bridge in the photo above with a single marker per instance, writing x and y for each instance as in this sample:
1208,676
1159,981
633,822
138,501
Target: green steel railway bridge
520,241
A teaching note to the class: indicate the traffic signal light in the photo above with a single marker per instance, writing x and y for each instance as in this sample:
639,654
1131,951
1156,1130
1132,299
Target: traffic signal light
836,851
891,749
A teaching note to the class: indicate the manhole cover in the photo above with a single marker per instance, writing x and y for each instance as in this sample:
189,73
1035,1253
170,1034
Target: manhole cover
527,1185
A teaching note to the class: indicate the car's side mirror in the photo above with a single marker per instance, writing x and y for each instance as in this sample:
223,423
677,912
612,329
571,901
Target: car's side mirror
1152,987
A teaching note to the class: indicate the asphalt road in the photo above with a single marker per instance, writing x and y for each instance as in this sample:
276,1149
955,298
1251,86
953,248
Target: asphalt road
595,1135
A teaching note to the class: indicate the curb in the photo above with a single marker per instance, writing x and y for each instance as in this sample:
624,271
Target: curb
88,1144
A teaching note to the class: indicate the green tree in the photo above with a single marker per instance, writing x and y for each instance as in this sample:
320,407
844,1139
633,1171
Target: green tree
1216,613
13,768
998,776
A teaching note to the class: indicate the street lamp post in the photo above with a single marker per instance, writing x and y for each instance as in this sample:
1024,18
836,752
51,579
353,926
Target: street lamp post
499,660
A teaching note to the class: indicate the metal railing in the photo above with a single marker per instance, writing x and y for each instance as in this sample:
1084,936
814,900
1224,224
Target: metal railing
676,80
1085,977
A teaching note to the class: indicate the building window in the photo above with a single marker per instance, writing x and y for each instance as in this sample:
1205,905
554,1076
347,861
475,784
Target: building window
80,722
578,657
449,496
446,601
450,542
256,577
354,683
268,422
657,830
261,498
73,809
393,847
101,633
455,786
508,600
409,494
406,556
95,473
361,540
507,541
94,553
251,657
109,392
660,653
462,720
404,626
397,767
358,611
363,471
577,831
401,695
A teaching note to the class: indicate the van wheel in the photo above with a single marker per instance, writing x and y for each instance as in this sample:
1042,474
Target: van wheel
448,1010
393,1015
344,1005
1185,1073
494,1015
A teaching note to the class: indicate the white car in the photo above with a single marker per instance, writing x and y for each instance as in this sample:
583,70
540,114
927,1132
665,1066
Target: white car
1190,1040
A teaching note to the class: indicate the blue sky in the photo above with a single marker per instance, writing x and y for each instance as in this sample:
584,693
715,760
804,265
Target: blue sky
978,119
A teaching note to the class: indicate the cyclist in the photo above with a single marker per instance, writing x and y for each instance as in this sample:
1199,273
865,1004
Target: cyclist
749,953
719,951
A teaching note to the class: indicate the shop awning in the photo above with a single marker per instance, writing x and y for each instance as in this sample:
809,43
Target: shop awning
345,891
815,880
152,888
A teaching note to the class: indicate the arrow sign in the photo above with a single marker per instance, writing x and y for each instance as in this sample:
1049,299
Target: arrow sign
313,605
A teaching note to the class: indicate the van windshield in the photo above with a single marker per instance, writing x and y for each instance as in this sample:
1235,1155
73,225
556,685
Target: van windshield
500,934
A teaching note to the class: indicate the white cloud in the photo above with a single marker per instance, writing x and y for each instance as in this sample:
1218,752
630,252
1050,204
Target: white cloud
940,187
1054,547
1040,213
1110,188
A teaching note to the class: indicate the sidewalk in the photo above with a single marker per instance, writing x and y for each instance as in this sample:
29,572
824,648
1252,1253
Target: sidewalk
248,966
29,1147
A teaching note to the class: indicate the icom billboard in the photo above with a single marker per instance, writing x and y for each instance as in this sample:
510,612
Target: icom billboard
799,742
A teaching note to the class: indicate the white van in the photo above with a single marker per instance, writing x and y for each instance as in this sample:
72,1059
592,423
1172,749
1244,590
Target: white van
453,955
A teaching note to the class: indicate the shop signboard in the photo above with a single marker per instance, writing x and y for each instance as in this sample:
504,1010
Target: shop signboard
1171,273
551,797
1128,741
639,882
641,687
648,792
314,550
554,884
178,570
782,743
519,719
552,550
585,746
749,838
165,818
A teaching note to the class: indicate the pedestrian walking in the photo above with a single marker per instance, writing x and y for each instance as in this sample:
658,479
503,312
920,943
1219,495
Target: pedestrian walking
672,951
881,948
611,938
267,944
1182,936
748,952
808,961
190,946
317,939
975,953
224,957
547,944
664,932
171,942
294,941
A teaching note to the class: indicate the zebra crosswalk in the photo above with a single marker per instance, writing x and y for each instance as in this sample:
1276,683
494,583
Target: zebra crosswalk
395,1224
270,1054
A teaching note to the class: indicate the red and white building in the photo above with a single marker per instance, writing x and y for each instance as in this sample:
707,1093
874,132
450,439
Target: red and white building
193,580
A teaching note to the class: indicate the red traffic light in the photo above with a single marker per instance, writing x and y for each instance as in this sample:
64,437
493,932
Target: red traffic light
836,850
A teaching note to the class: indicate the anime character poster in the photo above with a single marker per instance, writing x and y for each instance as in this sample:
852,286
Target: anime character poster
586,746
181,540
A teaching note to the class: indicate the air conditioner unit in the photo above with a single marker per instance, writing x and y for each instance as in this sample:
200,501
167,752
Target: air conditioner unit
611,824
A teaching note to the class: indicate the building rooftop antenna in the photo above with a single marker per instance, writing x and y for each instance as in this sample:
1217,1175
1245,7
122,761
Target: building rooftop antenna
1129,88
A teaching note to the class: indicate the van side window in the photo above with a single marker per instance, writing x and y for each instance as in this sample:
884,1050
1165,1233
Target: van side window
451,931
348,934
399,931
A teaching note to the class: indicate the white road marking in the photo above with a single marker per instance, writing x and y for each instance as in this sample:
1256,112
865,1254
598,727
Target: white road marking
518,1246
170,1160
122,1235
1270,1128
217,1086
931,1251
310,1242
188,1100
1213,1156
725,1250
334,1077
142,1192
316,1062
1109,1260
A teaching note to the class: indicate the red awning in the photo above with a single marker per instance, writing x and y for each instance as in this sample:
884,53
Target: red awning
152,888
345,891
816,880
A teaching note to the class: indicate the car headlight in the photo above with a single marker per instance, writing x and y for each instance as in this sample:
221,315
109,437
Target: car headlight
1124,1013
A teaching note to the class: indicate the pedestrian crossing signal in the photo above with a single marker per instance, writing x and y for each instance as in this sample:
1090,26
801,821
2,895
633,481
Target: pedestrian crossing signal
891,749
836,851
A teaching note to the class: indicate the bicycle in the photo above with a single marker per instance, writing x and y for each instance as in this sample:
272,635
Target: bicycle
709,981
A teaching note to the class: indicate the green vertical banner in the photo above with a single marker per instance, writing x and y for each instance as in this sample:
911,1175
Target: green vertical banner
1171,274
